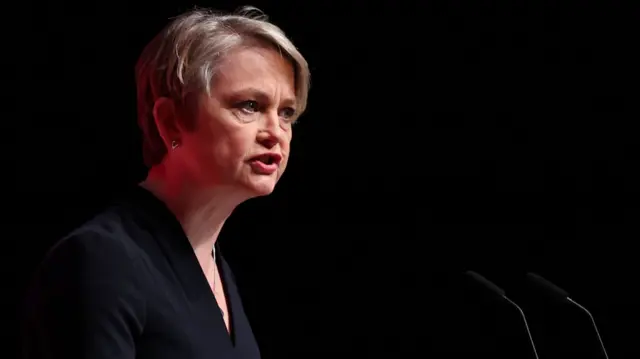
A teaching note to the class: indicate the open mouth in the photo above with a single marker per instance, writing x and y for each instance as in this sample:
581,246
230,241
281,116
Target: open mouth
268,158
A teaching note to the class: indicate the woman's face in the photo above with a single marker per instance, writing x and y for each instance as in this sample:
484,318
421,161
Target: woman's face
243,129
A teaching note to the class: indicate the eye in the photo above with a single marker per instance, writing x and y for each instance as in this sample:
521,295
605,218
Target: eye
287,113
249,106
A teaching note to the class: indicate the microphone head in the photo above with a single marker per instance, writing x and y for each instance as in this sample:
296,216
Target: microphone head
551,288
487,283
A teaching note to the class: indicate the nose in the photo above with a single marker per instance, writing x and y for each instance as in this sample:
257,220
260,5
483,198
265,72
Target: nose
271,134
267,139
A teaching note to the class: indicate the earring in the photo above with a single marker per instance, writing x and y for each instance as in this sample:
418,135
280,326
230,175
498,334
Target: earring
174,144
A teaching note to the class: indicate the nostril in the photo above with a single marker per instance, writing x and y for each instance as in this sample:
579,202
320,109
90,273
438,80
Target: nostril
268,142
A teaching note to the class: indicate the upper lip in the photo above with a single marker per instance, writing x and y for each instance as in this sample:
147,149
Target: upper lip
268,157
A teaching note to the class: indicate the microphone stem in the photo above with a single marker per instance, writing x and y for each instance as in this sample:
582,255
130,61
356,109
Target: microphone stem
535,352
593,321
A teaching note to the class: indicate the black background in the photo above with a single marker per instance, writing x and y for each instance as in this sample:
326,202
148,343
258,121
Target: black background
440,137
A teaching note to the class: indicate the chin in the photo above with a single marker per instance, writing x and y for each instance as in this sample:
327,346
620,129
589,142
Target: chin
263,187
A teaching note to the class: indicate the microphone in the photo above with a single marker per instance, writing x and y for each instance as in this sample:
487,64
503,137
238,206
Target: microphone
501,293
561,295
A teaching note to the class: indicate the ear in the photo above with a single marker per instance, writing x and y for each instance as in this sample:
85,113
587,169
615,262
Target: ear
166,118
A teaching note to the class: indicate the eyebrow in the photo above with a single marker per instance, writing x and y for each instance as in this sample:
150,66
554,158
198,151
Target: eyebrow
262,96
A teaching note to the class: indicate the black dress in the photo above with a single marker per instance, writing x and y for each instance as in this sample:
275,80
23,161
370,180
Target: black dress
127,284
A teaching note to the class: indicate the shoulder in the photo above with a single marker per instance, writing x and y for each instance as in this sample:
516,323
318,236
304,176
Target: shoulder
93,270
101,248
89,282
103,238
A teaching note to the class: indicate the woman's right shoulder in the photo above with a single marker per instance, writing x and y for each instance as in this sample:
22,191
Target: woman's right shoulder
90,280
102,239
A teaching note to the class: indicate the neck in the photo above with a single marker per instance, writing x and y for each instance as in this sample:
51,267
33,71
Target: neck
201,211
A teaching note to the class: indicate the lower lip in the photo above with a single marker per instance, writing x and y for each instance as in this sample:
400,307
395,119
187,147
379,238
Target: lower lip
263,168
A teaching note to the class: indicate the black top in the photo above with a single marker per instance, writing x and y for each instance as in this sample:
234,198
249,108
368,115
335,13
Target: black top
127,284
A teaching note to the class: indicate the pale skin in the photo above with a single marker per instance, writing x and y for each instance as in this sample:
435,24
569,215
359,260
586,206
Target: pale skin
249,112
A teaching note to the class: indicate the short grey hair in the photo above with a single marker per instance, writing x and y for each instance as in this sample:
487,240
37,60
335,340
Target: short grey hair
183,58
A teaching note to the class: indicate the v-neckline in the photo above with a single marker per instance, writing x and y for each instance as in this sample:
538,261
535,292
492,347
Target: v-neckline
183,259
228,301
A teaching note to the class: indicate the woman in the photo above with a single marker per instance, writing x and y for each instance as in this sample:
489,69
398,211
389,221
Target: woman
217,97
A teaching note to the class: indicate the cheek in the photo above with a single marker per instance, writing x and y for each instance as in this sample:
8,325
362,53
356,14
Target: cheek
286,145
211,152
232,148
286,149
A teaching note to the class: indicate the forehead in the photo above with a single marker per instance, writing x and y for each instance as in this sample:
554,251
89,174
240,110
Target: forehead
256,67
